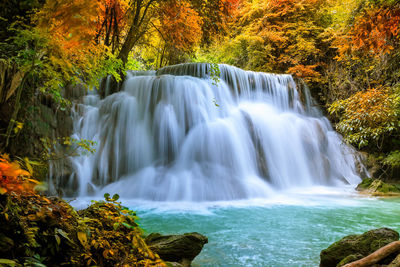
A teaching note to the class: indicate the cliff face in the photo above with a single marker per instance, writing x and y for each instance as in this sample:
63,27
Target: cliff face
42,122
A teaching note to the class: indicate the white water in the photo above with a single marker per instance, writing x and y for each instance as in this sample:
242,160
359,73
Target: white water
175,136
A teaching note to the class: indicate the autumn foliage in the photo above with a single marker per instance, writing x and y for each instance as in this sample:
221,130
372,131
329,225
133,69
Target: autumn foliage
180,24
367,117
41,231
14,179
277,36
375,32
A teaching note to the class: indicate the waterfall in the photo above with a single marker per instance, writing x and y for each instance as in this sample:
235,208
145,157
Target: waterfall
177,135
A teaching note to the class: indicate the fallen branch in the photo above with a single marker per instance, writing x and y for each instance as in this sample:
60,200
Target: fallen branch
376,256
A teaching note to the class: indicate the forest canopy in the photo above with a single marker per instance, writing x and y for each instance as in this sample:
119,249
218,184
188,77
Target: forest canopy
346,51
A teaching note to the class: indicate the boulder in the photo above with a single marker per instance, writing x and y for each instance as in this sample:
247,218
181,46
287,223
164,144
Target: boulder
177,248
354,247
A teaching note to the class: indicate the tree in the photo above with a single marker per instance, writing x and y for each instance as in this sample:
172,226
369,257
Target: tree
368,117
139,24
112,22
179,28
278,36
215,15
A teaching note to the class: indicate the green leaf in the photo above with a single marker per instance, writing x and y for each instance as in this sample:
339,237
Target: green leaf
8,262
64,234
58,240
127,225
115,197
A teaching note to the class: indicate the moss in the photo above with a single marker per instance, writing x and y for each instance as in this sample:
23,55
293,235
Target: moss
365,184
378,187
350,258
363,244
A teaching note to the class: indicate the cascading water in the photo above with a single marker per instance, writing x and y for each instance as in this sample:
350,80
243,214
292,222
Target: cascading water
177,135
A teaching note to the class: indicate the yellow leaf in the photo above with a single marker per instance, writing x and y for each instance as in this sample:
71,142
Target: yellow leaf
3,191
18,126
28,166
105,252
33,181
82,238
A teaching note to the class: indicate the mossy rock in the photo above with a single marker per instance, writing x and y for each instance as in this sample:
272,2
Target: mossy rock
365,184
350,258
357,245
378,187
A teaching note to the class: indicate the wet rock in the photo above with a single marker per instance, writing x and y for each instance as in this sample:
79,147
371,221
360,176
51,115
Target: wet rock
354,247
378,188
75,92
181,249
362,165
261,157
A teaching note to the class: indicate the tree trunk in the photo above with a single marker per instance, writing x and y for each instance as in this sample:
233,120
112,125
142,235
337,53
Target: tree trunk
16,109
137,29
376,256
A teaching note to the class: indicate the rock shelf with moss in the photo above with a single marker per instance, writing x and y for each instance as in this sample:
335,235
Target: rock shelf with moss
355,247
377,187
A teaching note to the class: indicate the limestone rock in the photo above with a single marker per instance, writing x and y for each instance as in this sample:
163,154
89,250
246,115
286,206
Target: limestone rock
356,246
177,248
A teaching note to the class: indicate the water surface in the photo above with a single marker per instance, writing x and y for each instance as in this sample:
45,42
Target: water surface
277,232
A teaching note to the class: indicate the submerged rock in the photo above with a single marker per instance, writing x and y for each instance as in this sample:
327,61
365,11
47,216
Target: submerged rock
177,248
354,247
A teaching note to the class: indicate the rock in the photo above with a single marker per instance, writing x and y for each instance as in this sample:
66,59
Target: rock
262,163
365,183
377,187
74,92
350,258
356,246
362,165
177,248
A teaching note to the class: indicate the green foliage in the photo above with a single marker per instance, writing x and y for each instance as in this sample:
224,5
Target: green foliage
393,159
108,64
113,236
367,117
70,147
215,72
41,231
134,64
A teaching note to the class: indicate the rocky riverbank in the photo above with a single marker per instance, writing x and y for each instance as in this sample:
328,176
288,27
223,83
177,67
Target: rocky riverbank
376,187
